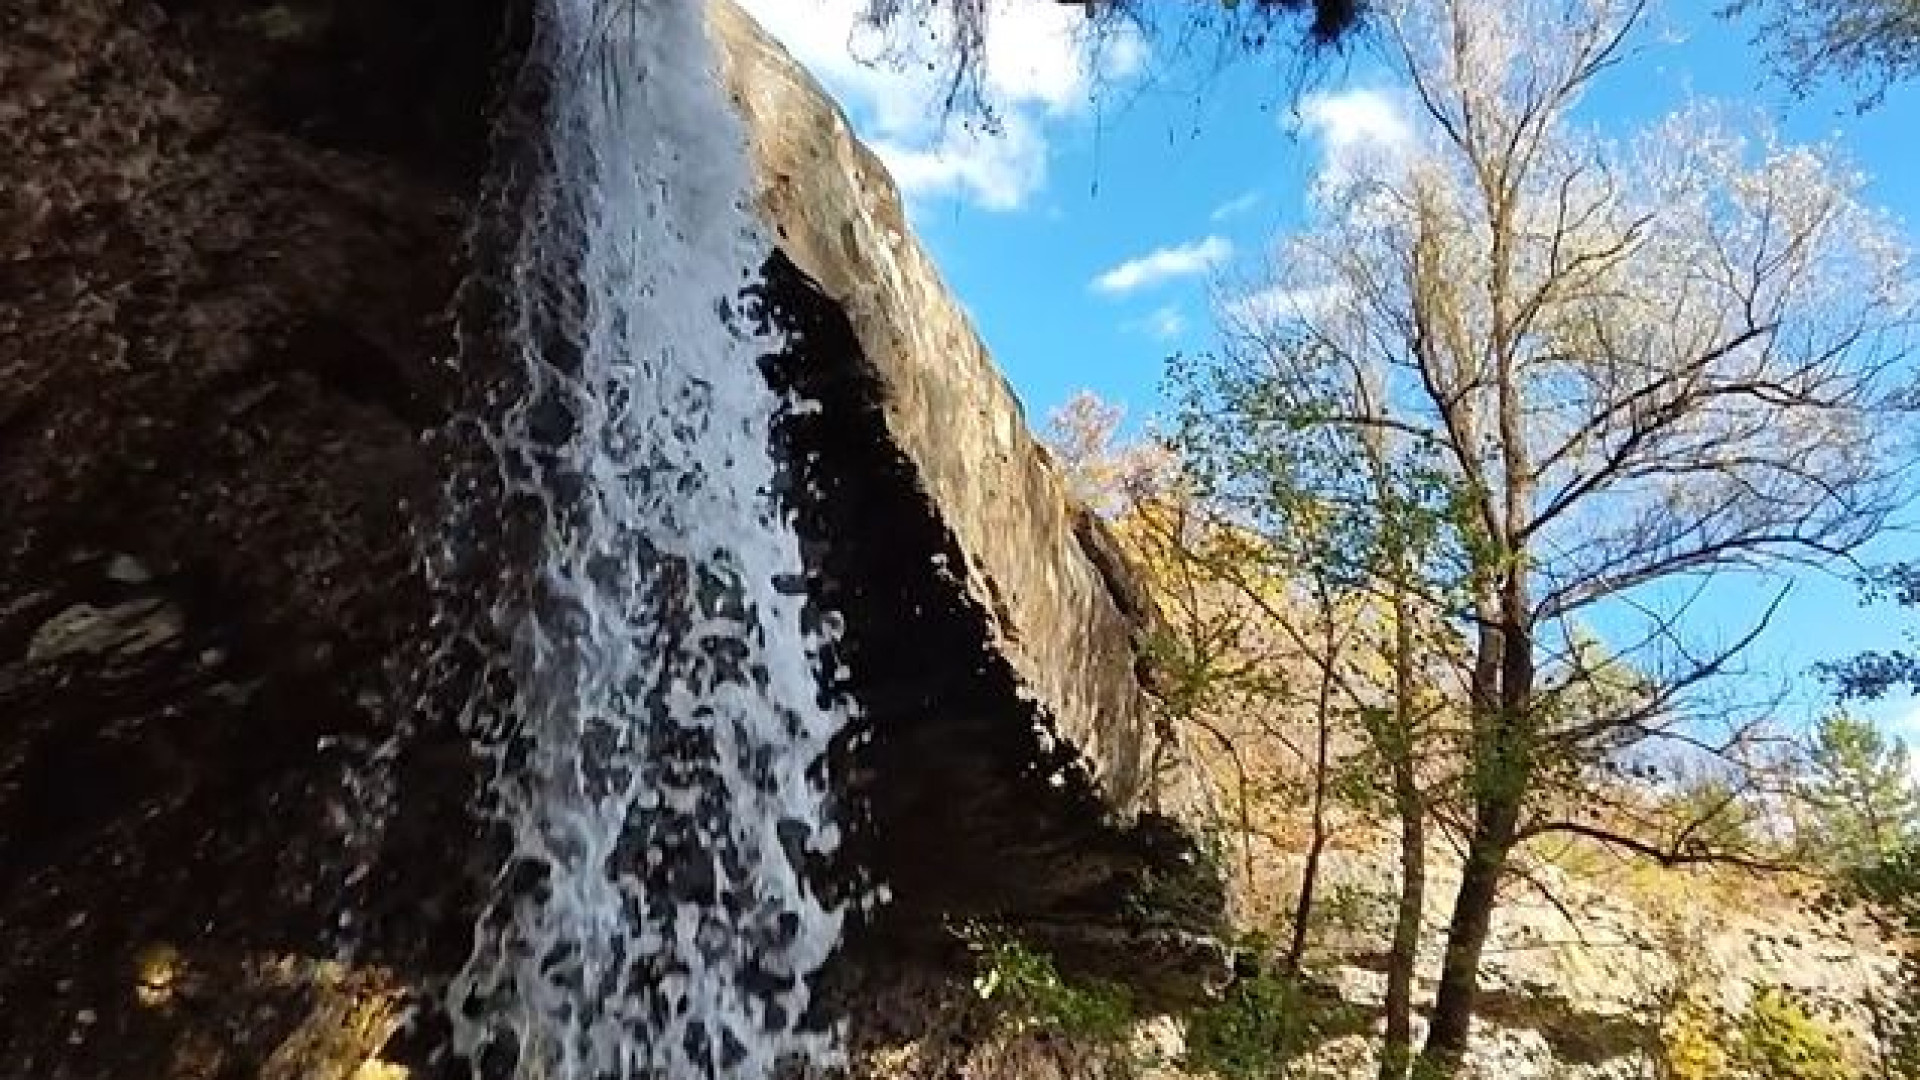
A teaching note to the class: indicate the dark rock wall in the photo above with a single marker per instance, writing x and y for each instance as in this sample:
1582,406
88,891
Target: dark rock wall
228,240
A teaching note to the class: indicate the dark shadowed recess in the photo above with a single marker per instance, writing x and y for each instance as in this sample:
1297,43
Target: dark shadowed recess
229,262
959,804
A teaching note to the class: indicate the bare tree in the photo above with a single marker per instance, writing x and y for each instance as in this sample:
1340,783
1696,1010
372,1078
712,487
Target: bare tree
1620,367
1870,44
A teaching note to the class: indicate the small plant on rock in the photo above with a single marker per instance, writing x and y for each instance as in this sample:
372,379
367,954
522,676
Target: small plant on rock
1032,994
1262,1025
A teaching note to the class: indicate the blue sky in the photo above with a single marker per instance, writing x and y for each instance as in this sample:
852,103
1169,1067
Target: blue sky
1131,182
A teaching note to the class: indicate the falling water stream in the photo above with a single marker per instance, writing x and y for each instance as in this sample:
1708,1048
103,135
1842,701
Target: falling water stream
655,721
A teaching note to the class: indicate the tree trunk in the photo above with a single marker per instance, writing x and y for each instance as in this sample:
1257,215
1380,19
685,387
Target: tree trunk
1473,905
1317,842
1404,952
1467,932
1503,775
1303,905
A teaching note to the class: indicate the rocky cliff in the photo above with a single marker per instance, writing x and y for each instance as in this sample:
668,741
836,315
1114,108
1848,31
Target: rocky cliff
232,240
939,510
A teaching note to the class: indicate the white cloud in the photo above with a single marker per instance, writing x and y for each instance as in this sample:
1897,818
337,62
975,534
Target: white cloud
1163,323
1235,206
998,170
1903,722
1040,69
1279,305
1357,129
1164,264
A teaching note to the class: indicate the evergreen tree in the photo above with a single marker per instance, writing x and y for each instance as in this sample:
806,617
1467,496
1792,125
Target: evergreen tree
1861,788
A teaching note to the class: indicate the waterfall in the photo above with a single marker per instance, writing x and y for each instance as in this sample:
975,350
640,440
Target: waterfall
652,708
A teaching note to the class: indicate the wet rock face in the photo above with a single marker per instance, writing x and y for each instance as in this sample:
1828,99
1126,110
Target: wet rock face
227,249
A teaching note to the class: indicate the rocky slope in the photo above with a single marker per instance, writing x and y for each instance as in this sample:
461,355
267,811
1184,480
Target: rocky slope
1585,960
1583,979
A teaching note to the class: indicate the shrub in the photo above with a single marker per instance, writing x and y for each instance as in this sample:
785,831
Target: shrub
1033,995
1692,1044
1263,1023
1780,1040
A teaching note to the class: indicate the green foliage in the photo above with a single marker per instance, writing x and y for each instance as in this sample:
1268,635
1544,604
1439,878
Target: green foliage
1867,815
1861,792
1774,1038
1353,908
1891,885
1777,1038
1717,813
1033,995
1250,1036
1692,1045
1273,456
1191,895
1356,781
1195,668
1893,1014
1263,1023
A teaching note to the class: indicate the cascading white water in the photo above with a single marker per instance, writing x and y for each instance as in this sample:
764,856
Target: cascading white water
658,739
